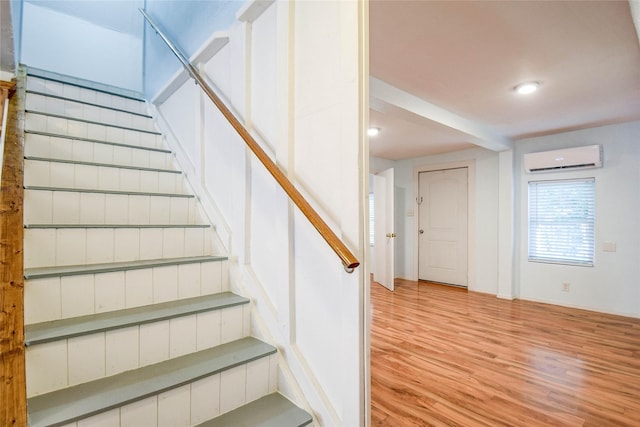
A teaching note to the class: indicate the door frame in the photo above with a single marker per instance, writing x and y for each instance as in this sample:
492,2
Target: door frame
471,214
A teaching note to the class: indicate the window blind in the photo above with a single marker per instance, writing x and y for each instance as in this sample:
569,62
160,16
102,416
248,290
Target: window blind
562,221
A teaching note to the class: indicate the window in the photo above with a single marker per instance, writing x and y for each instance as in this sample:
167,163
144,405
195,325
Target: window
562,221
371,219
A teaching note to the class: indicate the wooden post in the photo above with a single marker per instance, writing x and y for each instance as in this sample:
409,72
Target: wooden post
13,396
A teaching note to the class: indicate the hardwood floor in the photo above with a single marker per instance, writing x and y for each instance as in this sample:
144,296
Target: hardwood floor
442,356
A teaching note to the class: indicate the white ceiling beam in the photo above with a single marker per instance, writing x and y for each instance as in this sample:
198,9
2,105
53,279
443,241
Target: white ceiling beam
479,133
635,15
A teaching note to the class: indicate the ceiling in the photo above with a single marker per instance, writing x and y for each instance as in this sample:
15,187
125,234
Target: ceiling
443,72
116,15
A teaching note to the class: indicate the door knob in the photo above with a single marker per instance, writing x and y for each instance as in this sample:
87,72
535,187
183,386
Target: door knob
421,231
391,234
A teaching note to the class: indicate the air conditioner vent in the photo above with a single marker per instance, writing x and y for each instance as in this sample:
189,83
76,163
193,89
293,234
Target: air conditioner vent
589,156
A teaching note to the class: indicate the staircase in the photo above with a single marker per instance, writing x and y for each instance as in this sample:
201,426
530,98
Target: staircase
129,318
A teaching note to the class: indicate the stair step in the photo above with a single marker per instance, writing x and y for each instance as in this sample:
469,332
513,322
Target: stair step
84,400
54,146
93,122
41,122
73,207
71,245
80,226
91,113
77,270
85,102
272,410
108,177
91,86
96,141
91,190
68,328
104,165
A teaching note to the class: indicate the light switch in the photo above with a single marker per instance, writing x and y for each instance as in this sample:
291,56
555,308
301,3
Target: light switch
609,246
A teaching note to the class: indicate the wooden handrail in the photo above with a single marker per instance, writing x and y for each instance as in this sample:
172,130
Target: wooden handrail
13,393
349,260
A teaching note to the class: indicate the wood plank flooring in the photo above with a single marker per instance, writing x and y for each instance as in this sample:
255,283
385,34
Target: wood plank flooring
442,356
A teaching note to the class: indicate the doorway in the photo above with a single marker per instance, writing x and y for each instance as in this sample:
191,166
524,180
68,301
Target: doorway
443,226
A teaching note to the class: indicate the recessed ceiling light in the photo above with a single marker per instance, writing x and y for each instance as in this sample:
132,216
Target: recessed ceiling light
527,87
373,131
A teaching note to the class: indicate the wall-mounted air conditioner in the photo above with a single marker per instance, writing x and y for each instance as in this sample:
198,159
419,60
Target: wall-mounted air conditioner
589,156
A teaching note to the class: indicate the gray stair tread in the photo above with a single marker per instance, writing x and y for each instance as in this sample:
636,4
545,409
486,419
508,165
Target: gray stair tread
75,270
93,122
83,400
97,141
39,333
89,190
272,410
103,165
69,226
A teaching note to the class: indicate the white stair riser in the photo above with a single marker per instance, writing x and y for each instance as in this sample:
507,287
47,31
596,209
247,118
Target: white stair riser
68,207
87,95
197,402
85,151
56,247
70,175
59,364
79,129
79,110
56,298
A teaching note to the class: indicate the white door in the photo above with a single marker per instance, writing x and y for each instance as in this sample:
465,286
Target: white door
383,240
442,227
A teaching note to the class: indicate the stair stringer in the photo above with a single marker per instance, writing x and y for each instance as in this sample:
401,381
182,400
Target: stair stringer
244,281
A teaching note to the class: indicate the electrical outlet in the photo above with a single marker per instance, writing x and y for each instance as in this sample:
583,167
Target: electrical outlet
566,287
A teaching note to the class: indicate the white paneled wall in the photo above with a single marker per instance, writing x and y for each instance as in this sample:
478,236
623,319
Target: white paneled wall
301,101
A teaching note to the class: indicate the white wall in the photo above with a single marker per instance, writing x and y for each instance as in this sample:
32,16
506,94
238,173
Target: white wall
64,44
301,101
613,284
